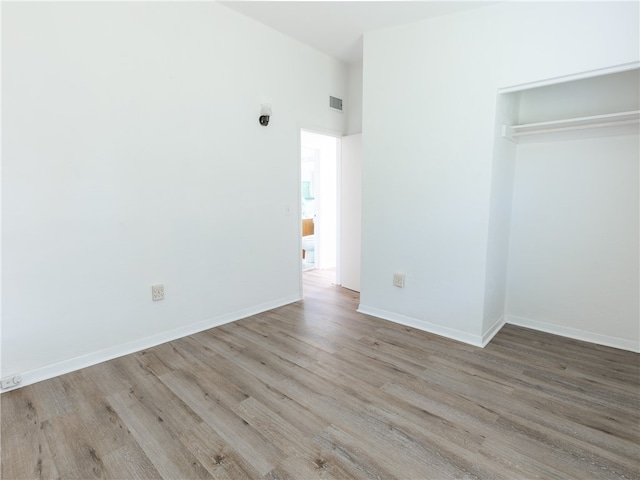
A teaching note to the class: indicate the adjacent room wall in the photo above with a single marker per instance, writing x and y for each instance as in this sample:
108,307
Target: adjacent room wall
132,155
429,106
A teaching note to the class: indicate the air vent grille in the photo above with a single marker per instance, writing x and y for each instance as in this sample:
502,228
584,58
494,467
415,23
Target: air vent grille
335,103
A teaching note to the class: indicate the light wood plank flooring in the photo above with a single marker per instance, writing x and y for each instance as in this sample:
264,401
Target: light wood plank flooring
316,390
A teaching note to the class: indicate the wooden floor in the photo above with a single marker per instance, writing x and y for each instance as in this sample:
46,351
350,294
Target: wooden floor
316,390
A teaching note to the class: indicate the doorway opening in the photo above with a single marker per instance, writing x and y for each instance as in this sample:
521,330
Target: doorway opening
319,157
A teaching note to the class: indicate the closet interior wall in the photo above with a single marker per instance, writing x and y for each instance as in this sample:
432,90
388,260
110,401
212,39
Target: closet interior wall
573,264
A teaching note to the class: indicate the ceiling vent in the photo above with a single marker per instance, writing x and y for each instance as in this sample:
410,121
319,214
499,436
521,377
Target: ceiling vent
335,103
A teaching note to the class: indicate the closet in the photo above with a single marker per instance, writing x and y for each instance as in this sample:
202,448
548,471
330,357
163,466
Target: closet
573,262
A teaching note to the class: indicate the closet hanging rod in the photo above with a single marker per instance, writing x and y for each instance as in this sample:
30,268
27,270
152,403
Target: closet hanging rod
573,124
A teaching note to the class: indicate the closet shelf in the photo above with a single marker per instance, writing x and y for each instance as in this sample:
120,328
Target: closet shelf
625,120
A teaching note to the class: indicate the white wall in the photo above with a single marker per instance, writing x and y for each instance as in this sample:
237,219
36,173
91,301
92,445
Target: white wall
132,155
573,263
429,105
613,93
351,212
502,182
354,98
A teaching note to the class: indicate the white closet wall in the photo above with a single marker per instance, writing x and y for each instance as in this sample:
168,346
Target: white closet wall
603,94
573,262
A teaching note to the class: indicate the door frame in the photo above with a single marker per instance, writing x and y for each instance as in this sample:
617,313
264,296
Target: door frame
338,136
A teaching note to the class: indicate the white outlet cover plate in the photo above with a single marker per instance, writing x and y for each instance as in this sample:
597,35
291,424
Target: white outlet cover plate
157,292
11,381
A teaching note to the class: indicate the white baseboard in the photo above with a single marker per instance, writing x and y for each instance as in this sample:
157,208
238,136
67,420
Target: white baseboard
482,341
83,361
459,335
495,328
606,340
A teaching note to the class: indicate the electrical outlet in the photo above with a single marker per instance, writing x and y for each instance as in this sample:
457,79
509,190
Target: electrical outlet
157,292
13,381
398,280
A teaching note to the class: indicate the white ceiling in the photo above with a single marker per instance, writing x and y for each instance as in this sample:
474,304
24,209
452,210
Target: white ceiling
336,27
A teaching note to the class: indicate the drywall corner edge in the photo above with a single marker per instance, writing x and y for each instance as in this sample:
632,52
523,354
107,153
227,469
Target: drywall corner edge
493,330
88,360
